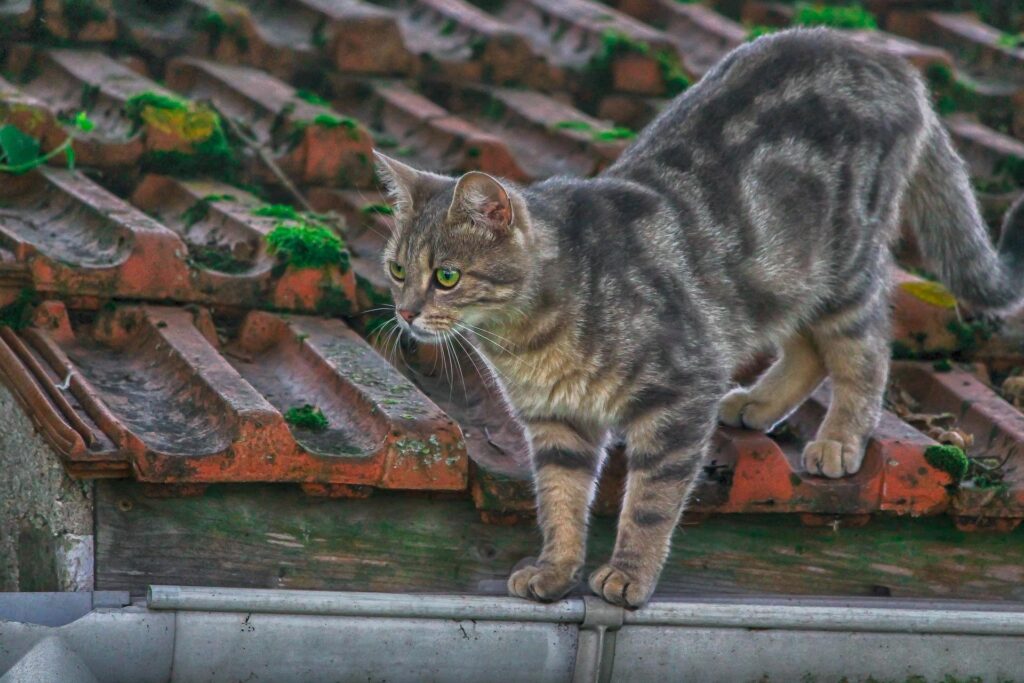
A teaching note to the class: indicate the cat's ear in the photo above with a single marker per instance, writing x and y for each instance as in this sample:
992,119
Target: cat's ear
407,187
484,201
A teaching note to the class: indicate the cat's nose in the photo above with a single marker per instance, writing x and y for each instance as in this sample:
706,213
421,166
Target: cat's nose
408,315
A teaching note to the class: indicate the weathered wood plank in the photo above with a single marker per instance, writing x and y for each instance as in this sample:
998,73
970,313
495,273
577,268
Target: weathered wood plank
274,536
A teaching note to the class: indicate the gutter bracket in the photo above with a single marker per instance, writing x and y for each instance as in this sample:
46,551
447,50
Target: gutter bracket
595,651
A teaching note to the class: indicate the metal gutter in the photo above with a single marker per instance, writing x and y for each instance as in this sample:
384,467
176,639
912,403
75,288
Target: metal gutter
383,605
185,634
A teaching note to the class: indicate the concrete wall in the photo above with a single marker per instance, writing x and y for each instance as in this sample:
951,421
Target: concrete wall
46,518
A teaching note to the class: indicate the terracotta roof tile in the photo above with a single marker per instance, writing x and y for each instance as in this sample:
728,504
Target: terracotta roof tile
182,396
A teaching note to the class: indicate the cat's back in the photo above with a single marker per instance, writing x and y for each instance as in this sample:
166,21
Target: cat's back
818,85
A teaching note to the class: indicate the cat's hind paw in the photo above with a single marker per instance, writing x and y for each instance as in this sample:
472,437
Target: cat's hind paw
833,459
739,409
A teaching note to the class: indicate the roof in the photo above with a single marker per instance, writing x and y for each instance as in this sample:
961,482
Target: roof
170,340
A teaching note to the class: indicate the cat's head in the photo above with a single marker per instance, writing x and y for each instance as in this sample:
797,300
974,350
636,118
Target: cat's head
458,256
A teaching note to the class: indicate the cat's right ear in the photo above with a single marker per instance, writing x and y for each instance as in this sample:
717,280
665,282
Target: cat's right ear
407,187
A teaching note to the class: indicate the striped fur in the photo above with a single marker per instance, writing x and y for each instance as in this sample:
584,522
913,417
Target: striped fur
755,213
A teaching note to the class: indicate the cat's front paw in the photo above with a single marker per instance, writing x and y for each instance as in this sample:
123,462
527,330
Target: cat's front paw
833,459
542,582
619,588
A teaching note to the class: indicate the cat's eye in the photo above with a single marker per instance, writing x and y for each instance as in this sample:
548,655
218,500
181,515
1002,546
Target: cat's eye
447,277
397,271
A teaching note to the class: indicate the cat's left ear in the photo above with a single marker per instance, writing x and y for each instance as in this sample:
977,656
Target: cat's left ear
484,201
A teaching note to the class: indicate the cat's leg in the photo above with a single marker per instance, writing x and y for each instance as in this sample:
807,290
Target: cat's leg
664,454
855,350
779,391
566,462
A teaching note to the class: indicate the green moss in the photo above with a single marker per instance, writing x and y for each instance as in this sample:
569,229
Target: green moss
284,211
756,31
78,13
197,124
18,314
302,244
494,109
950,93
949,459
382,209
89,95
216,257
617,133
942,365
135,105
333,301
836,16
81,121
615,44
307,417
1012,41
449,27
311,97
573,125
201,208
968,333
672,73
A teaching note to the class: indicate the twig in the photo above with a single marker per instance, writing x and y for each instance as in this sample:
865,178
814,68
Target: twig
267,160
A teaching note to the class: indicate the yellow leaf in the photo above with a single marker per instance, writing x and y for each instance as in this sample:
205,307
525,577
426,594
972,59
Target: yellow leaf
930,292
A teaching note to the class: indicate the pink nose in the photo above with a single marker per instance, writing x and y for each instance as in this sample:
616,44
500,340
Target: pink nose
407,315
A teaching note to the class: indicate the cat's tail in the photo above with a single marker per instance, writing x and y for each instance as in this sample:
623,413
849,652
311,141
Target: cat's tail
943,211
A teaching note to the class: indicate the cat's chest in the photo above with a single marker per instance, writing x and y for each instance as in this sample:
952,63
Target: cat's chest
557,381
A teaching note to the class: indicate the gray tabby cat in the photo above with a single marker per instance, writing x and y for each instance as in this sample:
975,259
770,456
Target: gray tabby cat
756,212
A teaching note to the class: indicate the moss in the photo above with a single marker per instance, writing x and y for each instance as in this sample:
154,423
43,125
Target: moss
139,102
333,302
849,16
968,333
284,211
573,125
672,73
201,208
942,365
385,141
949,92
18,314
617,133
216,257
78,13
449,27
303,244
494,109
79,121
756,31
382,209
89,95
1011,168
307,417
614,45
319,37
194,123
1012,41
949,459
311,97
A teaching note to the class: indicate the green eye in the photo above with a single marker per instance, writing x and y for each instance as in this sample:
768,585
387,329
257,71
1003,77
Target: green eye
447,277
397,271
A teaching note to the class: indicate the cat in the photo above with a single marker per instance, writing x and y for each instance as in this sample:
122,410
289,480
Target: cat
755,212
